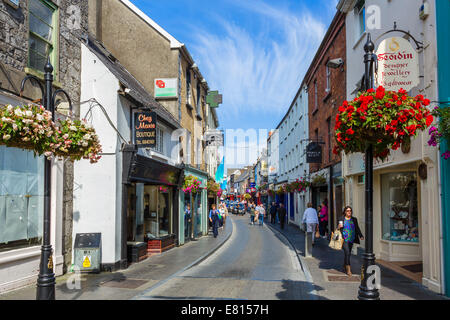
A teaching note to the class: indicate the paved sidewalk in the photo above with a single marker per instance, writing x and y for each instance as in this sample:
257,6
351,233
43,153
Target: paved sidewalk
325,267
137,278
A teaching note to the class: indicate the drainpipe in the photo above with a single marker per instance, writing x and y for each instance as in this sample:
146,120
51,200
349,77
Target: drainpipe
441,236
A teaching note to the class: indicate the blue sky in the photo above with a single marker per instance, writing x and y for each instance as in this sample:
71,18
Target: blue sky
254,52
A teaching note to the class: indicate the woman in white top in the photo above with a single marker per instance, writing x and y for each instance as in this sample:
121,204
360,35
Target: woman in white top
311,220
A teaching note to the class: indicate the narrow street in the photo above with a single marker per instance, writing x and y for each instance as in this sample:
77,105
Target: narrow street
246,267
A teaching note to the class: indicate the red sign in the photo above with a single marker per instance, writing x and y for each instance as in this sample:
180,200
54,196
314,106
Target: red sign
161,84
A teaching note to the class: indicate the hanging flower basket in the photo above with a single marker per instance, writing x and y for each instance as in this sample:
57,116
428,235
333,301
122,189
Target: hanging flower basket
280,191
300,185
191,185
31,128
247,196
384,119
213,187
443,132
319,180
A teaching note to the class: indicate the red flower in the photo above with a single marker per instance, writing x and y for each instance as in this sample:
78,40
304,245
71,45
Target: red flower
426,102
419,116
411,129
381,92
350,132
399,103
430,120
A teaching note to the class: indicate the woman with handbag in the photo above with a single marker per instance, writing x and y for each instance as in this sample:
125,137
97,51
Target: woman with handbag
351,234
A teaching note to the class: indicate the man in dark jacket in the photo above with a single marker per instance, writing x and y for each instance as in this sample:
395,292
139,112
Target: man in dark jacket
282,215
273,213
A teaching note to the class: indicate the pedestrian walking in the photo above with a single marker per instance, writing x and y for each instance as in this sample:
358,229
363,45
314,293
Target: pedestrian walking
273,213
261,215
221,212
348,225
214,219
187,221
311,220
225,213
323,219
282,215
252,212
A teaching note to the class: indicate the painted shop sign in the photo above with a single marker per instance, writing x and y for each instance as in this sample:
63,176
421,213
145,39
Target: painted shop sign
314,153
145,129
398,65
166,88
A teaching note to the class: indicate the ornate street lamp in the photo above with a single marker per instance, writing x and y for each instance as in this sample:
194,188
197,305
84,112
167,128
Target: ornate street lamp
46,279
368,292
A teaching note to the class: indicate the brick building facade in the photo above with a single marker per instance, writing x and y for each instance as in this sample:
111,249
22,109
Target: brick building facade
326,81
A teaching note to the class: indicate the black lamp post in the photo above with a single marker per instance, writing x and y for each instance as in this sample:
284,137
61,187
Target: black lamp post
368,292
46,279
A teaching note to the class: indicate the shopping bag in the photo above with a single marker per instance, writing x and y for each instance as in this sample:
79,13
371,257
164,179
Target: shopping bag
337,241
317,234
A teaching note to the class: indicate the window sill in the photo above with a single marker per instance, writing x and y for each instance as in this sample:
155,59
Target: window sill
327,96
40,76
362,36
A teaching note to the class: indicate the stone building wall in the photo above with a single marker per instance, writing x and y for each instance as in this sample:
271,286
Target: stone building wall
73,18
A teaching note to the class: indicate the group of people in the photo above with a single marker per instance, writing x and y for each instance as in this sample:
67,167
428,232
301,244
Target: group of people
280,211
218,217
257,213
317,220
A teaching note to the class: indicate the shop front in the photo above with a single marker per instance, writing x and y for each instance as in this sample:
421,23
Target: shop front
193,224
22,211
399,226
151,207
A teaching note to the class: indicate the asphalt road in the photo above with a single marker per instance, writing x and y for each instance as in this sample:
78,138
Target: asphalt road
254,264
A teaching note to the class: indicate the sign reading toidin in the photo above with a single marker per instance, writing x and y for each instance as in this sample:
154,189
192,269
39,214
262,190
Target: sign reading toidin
398,65
145,129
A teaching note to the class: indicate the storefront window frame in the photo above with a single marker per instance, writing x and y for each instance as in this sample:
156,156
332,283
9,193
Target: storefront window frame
418,199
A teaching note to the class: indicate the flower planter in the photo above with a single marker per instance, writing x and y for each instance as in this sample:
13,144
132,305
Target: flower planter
160,245
387,120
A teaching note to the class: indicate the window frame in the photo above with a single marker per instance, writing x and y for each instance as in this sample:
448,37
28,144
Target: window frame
54,55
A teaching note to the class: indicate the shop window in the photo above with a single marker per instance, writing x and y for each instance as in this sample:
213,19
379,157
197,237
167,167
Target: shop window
43,34
21,198
400,207
157,211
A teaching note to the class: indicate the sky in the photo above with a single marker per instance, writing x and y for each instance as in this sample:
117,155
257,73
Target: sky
255,53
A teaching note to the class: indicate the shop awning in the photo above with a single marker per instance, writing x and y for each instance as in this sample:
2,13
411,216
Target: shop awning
147,170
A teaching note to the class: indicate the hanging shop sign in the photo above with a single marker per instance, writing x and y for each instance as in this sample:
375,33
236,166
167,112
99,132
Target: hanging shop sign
166,88
398,65
145,129
214,138
314,153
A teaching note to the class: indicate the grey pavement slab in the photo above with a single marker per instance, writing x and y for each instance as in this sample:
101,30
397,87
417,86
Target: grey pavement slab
327,263
126,284
254,264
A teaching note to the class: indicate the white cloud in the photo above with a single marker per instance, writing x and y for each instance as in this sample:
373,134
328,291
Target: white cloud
259,73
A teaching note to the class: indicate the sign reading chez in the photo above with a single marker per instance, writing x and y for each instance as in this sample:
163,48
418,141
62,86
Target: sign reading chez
166,88
314,153
145,129
398,65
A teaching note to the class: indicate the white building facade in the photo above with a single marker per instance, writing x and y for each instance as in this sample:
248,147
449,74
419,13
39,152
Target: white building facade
397,184
293,135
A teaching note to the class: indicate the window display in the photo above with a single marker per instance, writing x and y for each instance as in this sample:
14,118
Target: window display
400,207
21,198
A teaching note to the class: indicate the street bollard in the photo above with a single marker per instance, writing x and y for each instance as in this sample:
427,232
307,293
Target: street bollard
308,244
